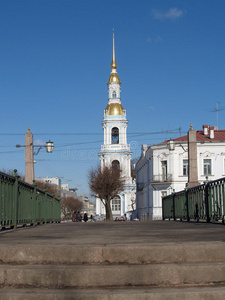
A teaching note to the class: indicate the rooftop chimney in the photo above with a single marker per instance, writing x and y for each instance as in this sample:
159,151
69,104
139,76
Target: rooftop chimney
205,129
211,132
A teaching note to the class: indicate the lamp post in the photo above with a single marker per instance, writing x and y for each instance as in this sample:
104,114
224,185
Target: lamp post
29,154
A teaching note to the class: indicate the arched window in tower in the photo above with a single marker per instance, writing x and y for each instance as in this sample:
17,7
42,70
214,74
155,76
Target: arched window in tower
115,135
116,164
114,94
116,204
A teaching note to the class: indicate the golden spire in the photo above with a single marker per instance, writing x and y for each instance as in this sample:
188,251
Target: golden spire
113,64
114,77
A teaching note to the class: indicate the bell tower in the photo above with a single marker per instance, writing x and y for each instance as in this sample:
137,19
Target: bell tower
115,151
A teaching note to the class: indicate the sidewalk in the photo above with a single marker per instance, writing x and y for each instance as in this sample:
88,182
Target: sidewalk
114,233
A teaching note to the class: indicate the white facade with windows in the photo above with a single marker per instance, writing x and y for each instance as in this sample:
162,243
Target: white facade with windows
50,180
115,151
161,171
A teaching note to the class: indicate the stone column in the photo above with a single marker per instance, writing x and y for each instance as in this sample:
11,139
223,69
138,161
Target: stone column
192,158
29,157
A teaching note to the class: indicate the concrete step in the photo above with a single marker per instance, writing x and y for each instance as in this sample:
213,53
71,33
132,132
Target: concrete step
122,254
199,293
105,276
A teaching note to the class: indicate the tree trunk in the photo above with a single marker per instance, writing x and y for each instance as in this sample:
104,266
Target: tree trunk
109,216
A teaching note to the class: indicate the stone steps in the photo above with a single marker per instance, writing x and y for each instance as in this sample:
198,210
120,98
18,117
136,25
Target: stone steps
172,271
96,276
122,254
199,293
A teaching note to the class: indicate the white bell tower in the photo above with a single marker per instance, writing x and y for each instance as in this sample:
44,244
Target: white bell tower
115,151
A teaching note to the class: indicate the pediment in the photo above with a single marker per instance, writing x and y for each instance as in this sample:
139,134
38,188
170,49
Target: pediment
184,154
162,155
207,154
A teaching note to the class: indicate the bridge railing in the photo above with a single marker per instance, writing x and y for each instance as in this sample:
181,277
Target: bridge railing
205,202
22,203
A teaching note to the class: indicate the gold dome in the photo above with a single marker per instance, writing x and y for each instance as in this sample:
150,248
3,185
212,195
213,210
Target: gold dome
114,109
114,78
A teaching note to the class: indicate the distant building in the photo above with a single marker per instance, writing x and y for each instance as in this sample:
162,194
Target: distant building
163,168
50,180
65,191
88,206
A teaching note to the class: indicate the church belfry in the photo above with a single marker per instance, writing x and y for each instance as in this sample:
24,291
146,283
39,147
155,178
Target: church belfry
115,151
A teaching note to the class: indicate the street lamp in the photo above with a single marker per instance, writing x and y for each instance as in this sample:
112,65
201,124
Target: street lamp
49,146
171,145
29,154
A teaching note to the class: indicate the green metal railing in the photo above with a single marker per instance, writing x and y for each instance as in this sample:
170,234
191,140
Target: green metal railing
203,202
22,203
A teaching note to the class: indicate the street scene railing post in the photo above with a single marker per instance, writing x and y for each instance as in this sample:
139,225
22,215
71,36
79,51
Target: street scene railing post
223,202
24,204
174,210
45,205
202,202
34,201
15,201
187,206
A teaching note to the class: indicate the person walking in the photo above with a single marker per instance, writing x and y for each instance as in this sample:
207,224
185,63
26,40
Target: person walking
85,217
74,217
78,217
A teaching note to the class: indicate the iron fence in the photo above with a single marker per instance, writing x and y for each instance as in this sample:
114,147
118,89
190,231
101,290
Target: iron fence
22,203
205,202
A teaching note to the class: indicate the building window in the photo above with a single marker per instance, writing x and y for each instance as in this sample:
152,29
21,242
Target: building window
207,167
185,167
116,204
164,170
114,94
115,135
116,164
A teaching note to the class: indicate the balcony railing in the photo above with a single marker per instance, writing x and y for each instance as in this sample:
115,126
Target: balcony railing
162,178
115,147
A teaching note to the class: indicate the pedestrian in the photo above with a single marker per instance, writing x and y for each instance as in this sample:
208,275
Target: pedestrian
92,219
85,217
78,217
74,217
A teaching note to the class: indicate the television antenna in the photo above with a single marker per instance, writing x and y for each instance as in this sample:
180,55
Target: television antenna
217,109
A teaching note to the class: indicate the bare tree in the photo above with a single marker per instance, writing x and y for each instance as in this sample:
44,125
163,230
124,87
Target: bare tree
51,188
11,172
70,204
106,183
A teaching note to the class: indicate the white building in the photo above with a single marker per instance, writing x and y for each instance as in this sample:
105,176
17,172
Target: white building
88,206
50,180
115,150
163,169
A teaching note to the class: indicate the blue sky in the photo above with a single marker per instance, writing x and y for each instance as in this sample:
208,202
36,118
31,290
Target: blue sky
55,58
